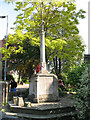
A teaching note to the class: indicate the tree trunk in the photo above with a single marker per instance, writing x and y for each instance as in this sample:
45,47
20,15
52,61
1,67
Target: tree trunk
56,63
56,67
19,78
59,65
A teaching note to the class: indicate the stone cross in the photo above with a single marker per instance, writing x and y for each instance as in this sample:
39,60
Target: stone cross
43,86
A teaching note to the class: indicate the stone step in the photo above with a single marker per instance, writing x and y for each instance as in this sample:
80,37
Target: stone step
42,110
63,109
62,116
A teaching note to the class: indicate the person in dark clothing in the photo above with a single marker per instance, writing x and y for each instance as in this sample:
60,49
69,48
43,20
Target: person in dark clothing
61,85
13,85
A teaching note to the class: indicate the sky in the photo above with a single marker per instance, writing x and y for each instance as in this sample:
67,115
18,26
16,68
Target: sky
8,9
83,26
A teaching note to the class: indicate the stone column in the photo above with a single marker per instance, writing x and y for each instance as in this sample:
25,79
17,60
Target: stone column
4,92
42,47
87,56
42,51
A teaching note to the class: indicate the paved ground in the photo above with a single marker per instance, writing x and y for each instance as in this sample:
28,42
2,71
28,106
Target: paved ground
22,87
25,86
10,117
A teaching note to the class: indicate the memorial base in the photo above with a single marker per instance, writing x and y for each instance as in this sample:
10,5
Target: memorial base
43,88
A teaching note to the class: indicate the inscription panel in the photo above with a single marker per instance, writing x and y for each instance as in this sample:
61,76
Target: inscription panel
45,85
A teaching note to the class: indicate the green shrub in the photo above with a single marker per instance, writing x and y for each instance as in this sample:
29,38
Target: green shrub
82,97
75,74
25,80
61,93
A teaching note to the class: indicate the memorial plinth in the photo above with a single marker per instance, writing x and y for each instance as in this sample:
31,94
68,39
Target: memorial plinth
43,88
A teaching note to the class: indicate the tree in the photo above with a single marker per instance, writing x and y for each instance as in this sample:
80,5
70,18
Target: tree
24,63
62,39
75,74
